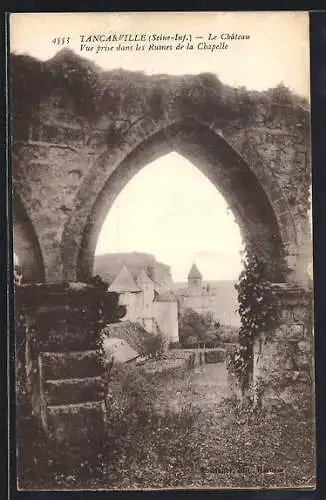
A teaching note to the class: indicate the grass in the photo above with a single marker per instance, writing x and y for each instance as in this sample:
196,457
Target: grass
189,438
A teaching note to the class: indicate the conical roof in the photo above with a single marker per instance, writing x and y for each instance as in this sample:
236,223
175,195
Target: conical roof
194,272
124,282
144,279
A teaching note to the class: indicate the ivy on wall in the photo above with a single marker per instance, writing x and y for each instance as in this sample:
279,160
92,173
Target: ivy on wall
258,309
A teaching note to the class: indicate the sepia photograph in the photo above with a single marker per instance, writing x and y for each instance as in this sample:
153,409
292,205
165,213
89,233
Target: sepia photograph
162,252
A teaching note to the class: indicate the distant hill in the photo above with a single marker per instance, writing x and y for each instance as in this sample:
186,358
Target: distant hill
109,265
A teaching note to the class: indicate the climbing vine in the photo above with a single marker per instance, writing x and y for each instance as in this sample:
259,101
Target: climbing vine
258,309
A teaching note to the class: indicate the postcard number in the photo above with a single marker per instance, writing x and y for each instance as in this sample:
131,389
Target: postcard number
61,40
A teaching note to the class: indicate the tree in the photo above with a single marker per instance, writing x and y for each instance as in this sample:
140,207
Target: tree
212,336
201,327
153,345
106,303
190,341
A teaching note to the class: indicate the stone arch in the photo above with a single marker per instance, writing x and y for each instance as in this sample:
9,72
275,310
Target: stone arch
26,244
251,190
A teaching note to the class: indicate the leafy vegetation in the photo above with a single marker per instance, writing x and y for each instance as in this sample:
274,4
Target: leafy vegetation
196,329
258,309
93,92
154,345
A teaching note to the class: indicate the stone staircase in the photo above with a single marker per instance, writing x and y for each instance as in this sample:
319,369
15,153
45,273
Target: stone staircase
60,325
71,395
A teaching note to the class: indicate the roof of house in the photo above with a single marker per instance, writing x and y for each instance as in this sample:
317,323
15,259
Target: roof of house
194,272
144,279
108,266
119,349
124,282
132,333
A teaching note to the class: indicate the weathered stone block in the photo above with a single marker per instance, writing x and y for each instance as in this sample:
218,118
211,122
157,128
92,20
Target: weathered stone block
73,364
76,423
70,391
284,363
290,331
305,346
295,331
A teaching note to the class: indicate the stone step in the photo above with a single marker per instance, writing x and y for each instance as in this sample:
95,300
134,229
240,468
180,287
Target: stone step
72,364
73,390
76,422
68,339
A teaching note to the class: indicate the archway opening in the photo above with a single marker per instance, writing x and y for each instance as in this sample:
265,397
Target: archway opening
174,211
25,244
167,218
18,275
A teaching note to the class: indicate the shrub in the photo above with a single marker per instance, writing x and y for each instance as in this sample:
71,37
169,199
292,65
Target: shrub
229,334
129,393
190,341
153,345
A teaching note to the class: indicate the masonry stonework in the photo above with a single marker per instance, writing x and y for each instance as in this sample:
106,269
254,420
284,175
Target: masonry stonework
284,364
61,369
80,134
70,161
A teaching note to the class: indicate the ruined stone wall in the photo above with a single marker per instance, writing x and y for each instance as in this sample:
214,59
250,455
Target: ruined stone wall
80,134
284,363
74,126
61,370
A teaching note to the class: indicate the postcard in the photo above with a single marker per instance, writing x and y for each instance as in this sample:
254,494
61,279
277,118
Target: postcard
162,250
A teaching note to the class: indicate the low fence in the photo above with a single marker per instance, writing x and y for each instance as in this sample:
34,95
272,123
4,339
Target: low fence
211,355
178,361
173,363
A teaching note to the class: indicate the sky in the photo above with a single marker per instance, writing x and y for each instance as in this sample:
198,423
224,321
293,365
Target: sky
179,225
187,221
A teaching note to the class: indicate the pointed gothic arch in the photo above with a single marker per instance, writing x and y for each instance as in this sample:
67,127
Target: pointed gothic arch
251,191
25,244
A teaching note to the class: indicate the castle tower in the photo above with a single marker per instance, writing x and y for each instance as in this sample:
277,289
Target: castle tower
128,290
194,277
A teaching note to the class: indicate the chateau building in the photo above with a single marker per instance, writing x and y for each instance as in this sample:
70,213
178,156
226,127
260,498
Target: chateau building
147,303
219,297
